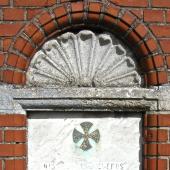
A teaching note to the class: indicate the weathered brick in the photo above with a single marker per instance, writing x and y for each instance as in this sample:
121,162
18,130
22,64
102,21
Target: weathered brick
160,3
4,2
153,15
1,165
152,78
34,3
150,63
45,18
128,18
63,21
164,149
19,78
12,149
50,27
77,7
141,30
15,136
32,13
168,16
28,49
164,120
131,3
95,7
60,11
150,149
15,120
13,14
162,77
155,164
22,63
138,13
1,136
6,44
38,37
93,18
154,135
168,61
12,60
30,29
112,11
10,29
158,61
20,43
133,38
109,21
2,59
161,30
8,78
165,44
19,164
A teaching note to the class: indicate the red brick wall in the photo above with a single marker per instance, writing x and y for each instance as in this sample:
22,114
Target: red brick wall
156,141
143,24
13,148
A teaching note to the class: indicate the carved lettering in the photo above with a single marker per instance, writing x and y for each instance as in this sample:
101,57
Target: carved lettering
88,165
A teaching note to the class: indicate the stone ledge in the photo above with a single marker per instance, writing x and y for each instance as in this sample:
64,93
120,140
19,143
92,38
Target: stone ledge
90,99
80,99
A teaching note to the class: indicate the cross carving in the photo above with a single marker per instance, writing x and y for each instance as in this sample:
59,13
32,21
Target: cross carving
77,136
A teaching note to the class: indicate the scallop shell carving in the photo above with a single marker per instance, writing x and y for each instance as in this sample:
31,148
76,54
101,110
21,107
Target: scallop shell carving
85,59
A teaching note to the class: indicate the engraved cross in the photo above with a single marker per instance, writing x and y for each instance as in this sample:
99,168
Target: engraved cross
77,136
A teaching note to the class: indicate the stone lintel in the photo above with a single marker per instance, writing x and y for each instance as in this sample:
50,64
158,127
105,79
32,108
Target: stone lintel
80,99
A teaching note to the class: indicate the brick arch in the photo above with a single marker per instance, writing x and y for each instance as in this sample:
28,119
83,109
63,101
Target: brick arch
61,17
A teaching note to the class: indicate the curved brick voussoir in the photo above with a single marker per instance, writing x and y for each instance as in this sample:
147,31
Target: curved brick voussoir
47,22
69,15
34,33
14,77
77,12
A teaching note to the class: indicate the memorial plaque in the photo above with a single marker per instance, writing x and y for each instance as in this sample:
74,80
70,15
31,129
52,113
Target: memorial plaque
84,141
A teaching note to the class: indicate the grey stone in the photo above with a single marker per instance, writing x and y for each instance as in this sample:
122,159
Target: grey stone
85,59
8,105
96,99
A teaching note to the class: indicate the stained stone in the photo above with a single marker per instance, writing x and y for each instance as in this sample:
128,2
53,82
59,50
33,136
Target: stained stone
85,59
102,141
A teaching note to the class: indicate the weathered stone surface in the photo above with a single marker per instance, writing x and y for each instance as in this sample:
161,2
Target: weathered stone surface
8,105
95,93
51,144
119,99
85,59
164,98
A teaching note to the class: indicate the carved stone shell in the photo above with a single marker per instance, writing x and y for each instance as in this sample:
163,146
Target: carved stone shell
85,59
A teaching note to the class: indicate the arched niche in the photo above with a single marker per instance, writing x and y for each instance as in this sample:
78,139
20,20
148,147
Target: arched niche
77,15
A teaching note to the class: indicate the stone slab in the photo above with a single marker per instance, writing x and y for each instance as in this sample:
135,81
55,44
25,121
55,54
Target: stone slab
51,145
